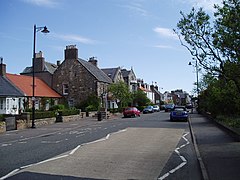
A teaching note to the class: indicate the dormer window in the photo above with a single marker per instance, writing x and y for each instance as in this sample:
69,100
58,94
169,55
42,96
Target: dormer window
65,89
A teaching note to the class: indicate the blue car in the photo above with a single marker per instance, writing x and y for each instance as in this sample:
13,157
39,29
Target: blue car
179,113
148,109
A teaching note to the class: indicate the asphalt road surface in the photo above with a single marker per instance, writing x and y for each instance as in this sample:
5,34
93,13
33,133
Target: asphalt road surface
147,147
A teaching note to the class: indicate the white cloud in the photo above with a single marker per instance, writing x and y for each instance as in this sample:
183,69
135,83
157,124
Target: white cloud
165,32
74,38
163,47
136,7
43,3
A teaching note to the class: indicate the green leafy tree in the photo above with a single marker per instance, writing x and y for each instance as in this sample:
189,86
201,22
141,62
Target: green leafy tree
140,98
92,103
121,93
213,44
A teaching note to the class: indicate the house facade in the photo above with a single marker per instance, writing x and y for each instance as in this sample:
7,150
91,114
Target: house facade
76,79
130,79
10,95
16,92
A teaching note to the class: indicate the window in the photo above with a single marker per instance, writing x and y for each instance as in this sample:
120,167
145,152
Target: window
1,103
71,103
65,89
7,104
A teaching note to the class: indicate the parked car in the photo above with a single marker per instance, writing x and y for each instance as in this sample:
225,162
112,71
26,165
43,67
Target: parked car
162,107
179,113
189,106
148,109
131,112
169,107
156,108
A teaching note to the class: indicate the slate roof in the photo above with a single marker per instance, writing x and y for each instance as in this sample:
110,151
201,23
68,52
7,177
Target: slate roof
48,67
7,88
110,72
125,73
24,83
95,71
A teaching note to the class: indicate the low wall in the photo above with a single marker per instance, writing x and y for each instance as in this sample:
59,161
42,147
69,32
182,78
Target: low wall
2,127
23,121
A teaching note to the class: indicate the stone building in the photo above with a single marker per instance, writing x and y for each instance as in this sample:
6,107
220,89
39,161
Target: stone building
76,79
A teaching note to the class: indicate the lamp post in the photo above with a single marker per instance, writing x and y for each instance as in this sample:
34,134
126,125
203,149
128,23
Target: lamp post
196,75
35,30
197,79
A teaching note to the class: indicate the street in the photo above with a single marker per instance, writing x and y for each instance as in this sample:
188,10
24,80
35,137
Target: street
147,147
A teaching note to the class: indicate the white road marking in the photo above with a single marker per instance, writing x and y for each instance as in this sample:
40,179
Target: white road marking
59,157
75,149
184,161
5,145
9,174
50,142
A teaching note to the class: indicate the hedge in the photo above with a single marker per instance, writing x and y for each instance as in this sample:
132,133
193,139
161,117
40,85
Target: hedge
50,114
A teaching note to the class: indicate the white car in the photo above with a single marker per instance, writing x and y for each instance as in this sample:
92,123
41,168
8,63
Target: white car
156,108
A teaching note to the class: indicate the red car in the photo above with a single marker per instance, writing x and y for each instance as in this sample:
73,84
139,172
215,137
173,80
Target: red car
131,112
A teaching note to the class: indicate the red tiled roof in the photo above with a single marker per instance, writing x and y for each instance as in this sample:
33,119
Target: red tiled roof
144,89
25,84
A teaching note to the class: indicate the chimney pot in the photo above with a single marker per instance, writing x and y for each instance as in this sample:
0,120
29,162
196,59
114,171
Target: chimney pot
93,61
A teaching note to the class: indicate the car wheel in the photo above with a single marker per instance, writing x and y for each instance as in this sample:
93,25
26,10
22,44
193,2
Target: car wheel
134,115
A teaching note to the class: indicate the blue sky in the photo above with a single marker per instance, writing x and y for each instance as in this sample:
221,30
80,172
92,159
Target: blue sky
125,33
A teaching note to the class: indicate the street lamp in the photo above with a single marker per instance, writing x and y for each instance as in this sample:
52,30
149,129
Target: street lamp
35,30
196,75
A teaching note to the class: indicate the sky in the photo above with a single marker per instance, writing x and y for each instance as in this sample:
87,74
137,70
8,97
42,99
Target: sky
135,34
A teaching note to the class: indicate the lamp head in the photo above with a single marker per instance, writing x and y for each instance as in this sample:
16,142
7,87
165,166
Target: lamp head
189,63
45,30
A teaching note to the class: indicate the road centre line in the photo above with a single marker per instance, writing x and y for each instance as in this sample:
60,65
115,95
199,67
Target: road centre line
184,161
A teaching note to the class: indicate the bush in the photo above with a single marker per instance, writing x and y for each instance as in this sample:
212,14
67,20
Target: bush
1,117
233,122
44,114
57,107
91,108
68,112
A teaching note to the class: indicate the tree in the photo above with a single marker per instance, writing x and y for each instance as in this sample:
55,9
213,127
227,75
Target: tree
213,45
140,98
121,93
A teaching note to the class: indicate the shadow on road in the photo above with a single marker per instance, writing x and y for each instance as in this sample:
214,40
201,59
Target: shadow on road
40,176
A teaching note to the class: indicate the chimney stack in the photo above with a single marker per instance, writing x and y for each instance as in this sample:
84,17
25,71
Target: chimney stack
2,68
58,63
39,62
93,61
71,52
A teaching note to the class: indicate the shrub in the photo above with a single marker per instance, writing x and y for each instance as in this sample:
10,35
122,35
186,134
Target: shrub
68,112
1,117
57,107
229,121
44,114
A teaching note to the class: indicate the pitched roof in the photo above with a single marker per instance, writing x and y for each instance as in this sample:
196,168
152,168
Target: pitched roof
24,83
48,67
110,72
95,71
125,72
7,88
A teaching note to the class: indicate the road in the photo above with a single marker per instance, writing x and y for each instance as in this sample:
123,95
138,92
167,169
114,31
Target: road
148,147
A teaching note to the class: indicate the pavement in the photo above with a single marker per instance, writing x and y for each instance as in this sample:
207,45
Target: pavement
218,152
